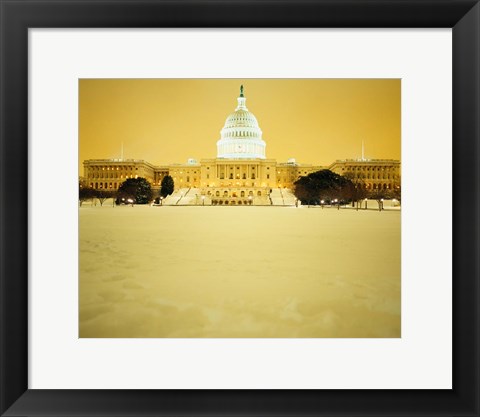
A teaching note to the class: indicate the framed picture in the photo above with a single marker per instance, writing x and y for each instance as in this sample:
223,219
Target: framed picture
194,350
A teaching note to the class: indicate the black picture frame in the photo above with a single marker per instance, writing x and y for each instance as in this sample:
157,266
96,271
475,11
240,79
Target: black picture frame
17,16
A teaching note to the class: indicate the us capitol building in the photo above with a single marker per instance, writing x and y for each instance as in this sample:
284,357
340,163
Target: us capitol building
241,173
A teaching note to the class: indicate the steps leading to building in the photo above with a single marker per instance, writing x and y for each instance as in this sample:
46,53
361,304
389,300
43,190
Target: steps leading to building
282,197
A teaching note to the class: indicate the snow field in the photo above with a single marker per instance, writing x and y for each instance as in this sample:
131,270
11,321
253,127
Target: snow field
238,272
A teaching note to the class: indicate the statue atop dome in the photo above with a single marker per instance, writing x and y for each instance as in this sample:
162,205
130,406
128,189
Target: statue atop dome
241,90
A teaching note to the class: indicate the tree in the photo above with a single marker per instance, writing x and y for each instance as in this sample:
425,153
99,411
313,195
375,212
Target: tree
166,186
137,189
397,190
103,194
356,191
322,185
379,194
85,193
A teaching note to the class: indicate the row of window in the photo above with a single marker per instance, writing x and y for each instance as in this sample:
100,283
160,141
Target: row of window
383,186
226,193
109,175
380,176
244,176
232,203
367,168
123,167
104,186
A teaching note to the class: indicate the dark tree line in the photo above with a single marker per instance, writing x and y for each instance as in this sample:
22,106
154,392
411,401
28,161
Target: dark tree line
87,193
327,187
131,191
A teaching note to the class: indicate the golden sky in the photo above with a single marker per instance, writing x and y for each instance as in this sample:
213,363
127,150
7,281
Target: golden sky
166,121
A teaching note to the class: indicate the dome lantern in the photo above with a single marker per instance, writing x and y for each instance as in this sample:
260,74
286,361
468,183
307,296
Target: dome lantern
241,101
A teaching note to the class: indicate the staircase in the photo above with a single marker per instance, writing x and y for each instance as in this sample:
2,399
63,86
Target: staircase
282,197
174,198
289,198
276,197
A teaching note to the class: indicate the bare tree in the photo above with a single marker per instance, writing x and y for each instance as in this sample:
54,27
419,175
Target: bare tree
379,195
358,192
103,195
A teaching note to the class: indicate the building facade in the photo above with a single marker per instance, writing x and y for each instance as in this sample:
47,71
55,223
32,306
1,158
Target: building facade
373,174
241,173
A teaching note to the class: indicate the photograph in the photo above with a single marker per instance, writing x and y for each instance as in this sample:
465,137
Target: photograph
239,208
239,244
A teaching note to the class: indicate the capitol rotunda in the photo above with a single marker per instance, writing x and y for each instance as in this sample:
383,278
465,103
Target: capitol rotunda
241,137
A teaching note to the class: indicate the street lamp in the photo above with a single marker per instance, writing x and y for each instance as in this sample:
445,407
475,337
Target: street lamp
161,200
322,202
250,199
203,200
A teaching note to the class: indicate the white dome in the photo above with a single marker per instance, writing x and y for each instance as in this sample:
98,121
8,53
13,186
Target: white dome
241,137
241,118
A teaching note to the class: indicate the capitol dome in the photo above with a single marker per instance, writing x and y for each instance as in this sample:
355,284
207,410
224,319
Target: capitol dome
241,137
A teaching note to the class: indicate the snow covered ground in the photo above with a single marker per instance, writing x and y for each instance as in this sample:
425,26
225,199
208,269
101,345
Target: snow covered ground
238,272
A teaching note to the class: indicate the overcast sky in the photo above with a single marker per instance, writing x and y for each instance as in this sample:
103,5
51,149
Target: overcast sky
166,121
